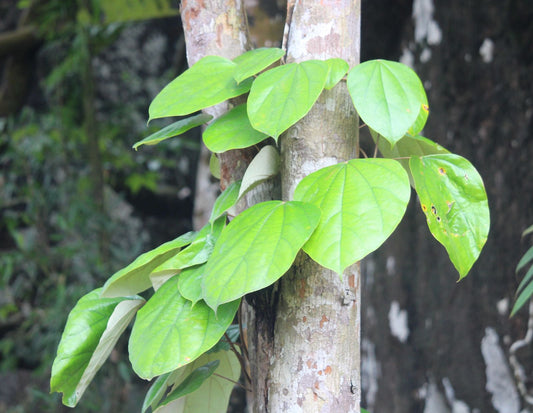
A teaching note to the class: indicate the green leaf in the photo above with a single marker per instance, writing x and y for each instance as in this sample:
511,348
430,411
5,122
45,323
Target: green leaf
388,96
256,249
282,96
213,396
362,201
193,381
169,332
93,327
253,61
225,200
197,253
454,201
190,283
527,231
174,129
337,70
156,392
523,298
232,131
265,165
136,277
208,82
406,147
527,258
214,166
527,278
421,119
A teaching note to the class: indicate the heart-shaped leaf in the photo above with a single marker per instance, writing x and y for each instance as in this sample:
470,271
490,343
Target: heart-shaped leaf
454,201
174,129
362,201
337,68
253,61
232,131
256,249
388,96
136,277
170,332
282,96
208,82
93,327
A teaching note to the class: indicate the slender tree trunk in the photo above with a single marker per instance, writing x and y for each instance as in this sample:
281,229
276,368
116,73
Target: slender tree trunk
317,332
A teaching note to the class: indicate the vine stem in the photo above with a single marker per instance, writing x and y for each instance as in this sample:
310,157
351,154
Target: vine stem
232,381
240,358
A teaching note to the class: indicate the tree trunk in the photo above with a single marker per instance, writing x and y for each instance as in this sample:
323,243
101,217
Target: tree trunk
316,363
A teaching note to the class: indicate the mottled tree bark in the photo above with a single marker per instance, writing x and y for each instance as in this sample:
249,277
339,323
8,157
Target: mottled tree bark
316,362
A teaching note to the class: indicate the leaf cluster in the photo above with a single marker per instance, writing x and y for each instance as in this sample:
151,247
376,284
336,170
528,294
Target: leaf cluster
338,215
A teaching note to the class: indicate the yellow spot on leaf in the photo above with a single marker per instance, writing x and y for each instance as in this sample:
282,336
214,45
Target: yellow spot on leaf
442,171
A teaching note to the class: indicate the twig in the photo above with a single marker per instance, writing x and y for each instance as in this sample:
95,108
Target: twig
232,381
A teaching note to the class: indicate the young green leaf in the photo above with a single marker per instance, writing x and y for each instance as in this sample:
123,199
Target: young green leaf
174,129
337,68
232,131
253,61
282,96
454,201
208,82
256,249
214,393
190,283
156,392
93,327
265,165
170,332
196,253
192,382
225,200
388,96
362,201
214,166
136,277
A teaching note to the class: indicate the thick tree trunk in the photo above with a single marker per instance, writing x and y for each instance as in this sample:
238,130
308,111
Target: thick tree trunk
316,363
431,345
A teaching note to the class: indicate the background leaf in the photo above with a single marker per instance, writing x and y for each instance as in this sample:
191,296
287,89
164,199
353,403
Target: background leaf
170,333
282,96
136,276
257,248
253,61
454,201
208,82
387,95
362,201
93,327
232,131
174,129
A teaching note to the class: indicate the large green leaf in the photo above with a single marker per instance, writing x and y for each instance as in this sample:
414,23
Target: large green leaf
362,201
93,327
208,82
257,248
170,332
282,96
213,395
232,131
406,147
454,201
388,96
253,61
174,129
195,254
136,277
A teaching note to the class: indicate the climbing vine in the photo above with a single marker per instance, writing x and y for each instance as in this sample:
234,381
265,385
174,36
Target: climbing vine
338,215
